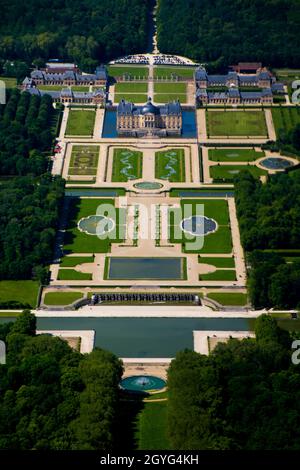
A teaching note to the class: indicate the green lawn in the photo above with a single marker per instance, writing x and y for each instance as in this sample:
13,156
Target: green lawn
219,275
131,87
71,261
80,242
151,425
24,292
132,70
168,97
218,262
72,275
84,160
61,298
217,242
81,122
10,82
236,123
132,97
170,165
229,172
127,165
234,155
184,72
285,118
229,298
178,88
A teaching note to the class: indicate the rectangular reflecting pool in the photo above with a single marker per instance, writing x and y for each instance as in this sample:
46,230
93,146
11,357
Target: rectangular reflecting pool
146,268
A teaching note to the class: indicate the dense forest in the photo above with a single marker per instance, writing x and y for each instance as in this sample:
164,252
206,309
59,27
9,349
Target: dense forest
244,395
52,397
27,128
29,215
84,31
269,219
228,31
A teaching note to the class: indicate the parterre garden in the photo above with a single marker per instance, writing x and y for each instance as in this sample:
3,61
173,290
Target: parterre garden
84,160
170,165
127,165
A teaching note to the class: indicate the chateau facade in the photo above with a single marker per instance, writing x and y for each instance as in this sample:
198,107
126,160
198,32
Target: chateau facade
51,76
67,96
138,121
234,96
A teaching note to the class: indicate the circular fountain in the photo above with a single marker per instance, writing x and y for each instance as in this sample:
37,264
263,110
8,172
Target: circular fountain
142,383
148,185
276,163
198,225
96,225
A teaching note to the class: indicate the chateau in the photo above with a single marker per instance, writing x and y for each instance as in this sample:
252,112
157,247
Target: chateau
68,96
138,121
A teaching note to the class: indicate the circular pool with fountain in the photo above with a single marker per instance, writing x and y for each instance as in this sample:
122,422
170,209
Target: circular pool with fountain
142,383
198,225
148,185
96,225
276,163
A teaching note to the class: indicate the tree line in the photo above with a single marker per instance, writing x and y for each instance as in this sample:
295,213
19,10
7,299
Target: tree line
87,32
26,133
269,219
227,32
29,216
243,396
52,397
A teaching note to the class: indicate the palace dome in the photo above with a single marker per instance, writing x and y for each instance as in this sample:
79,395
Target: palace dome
149,108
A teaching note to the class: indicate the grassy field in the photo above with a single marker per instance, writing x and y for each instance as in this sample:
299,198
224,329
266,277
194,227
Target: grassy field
84,160
80,242
132,70
61,298
170,165
219,275
236,123
151,426
218,262
177,87
285,118
163,72
217,242
234,155
132,97
127,165
10,82
71,261
81,122
168,97
60,87
229,172
131,87
24,292
228,298
72,275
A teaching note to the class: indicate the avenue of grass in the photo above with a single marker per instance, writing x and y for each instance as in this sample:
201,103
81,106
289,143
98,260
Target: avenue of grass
151,427
236,123
234,155
217,242
72,261
167,72
171,87
131,97
81,122
219,275
217,262
84,160
76,241
162,160
285,118
60,87
10,82
229,172
169,97
132,70
229,298
61,298
131,87
24,292
120,162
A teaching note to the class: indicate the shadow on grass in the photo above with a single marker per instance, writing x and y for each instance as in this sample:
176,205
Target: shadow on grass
130,405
